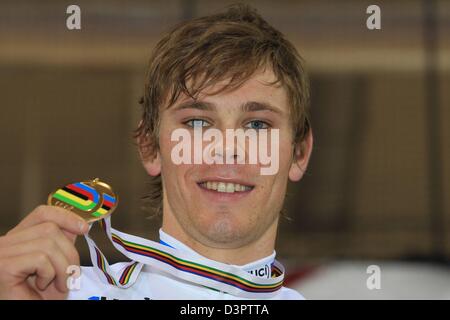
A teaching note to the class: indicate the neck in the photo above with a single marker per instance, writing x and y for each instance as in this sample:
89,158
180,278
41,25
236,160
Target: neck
239,255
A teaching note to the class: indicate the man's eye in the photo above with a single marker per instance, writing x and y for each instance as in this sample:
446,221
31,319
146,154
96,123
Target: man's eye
197,123
257,124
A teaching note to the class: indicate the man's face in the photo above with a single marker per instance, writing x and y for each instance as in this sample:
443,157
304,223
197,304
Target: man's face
194,194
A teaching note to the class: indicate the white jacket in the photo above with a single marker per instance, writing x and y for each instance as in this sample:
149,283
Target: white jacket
154,284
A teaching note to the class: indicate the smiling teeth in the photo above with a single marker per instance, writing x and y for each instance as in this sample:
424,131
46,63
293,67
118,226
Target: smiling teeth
225,187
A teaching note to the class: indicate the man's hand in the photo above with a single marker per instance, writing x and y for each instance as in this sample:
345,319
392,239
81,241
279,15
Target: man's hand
34,256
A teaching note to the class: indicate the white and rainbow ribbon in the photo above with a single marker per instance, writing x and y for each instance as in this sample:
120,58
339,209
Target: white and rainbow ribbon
180,264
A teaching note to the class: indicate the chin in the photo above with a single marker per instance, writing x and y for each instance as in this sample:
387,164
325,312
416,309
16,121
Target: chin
224,229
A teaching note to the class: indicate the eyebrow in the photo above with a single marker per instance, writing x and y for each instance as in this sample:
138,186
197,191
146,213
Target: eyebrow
249,106
199,105
252,106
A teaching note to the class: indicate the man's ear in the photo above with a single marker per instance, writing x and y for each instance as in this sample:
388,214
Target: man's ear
151,158
302,153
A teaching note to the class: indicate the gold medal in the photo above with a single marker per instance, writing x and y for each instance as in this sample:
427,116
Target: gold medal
92,200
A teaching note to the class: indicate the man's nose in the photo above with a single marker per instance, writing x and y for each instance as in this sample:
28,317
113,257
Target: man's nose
226,151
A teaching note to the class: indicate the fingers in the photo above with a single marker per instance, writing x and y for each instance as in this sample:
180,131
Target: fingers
20,267
65,219
36,254
47,230
46,250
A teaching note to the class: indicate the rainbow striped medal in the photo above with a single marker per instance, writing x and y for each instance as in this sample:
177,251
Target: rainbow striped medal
196,270
92,200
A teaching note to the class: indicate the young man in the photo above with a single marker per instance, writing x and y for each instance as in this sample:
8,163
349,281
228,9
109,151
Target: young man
226,71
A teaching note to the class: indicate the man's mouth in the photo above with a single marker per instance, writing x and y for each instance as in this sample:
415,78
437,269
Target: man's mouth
225,187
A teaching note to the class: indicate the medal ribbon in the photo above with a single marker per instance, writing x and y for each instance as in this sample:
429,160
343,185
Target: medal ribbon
199,270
